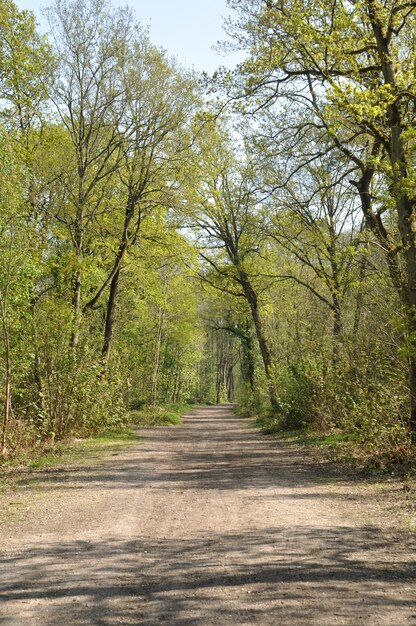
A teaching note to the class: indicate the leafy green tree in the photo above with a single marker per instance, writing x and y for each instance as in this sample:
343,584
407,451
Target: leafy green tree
154,141
351,68
158,333
318,223
225,210
25,65
90,42
17,274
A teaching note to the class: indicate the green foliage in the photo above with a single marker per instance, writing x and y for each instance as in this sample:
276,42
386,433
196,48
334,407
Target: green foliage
78,209
297,392
365,415
26,61
169,415
154,253
76,451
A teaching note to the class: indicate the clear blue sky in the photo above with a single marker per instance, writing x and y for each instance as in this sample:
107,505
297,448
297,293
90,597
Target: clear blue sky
187,29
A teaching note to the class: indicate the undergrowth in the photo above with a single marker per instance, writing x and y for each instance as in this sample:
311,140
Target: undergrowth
358,421
167,415
72,451
392,454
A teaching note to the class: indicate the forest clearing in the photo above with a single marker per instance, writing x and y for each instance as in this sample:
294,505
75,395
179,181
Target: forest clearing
206,523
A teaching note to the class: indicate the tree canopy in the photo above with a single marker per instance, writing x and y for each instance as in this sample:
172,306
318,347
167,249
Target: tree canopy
171,238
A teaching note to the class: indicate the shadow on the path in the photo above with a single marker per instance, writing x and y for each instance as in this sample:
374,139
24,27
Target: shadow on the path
230,579
211,450
310,575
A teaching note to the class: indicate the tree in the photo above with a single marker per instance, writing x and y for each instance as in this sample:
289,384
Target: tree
315,221
17,273
153,142
229,319
91,41
158,335
25,65
225,210
351,67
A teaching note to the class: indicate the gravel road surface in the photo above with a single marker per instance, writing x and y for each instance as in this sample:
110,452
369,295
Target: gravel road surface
208,523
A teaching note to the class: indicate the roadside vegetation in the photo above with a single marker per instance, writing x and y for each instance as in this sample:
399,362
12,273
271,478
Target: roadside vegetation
166,415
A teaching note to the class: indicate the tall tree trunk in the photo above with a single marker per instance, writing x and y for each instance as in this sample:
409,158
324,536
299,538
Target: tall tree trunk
336,329
41,388
109,320
114,279
37,369
251,298
406,211
411,323
7,405
176,386
221,366
76,308
122,248
79,249
375,224
335,286
359,301
230,383
402,168
248,364
156,362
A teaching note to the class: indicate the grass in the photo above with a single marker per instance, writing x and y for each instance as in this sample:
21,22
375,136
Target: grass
306,437
72,453
168,415
75,452
69,452
79,451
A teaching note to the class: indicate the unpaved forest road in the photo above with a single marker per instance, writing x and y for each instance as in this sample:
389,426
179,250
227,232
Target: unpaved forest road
204,524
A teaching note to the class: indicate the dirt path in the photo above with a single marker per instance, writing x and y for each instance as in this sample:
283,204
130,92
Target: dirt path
203,524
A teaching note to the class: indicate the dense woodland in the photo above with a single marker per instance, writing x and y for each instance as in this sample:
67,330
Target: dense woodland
248,237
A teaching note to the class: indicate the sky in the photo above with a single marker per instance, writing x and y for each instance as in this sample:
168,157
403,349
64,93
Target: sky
187,29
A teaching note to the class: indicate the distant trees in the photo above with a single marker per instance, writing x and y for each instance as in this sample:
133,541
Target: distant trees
225,214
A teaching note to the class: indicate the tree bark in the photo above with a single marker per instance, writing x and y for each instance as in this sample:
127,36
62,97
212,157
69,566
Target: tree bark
230,383
8,379
76,308
252,300
156,362
109,320
122,248
336,329
401,170
248,368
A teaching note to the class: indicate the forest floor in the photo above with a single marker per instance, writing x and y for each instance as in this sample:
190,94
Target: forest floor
207,523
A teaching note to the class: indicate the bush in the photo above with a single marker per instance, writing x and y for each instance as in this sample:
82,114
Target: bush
363,416
167,415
